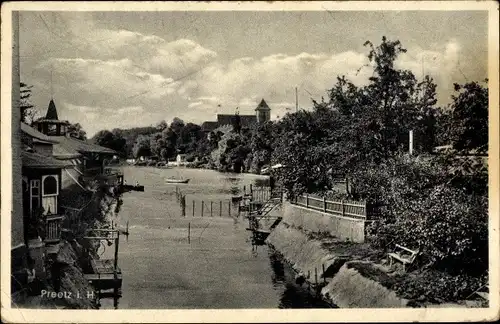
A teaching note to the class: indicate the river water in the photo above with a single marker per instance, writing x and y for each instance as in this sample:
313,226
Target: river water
216,269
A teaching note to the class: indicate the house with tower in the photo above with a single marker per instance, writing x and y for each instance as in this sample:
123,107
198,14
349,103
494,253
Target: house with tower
89,159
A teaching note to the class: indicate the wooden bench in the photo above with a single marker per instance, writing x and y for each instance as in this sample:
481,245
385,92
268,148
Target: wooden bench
403,255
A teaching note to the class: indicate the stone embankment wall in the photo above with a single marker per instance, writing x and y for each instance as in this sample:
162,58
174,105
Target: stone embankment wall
305,256
344,228
350,289
340,284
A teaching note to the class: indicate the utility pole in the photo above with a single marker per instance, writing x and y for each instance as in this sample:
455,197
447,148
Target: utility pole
411,142
296,100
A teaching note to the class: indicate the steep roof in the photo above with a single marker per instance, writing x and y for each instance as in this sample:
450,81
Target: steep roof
263,106
52,111
246,120
70,145
30,131
38,161
209,126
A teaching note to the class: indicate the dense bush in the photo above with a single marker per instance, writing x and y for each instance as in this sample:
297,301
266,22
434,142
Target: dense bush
424,211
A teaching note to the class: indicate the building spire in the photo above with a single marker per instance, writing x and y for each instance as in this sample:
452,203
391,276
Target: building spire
51,85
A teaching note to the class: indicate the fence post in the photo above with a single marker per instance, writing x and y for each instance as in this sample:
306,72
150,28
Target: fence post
244,190
183,204
307,200
193,207
229,208
251,191
202,207
324,204
211,208
343,207
220,208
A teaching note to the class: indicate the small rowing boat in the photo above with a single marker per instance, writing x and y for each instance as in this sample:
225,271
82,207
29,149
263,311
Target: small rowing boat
173,180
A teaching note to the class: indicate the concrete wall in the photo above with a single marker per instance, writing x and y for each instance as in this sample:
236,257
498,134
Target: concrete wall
344,228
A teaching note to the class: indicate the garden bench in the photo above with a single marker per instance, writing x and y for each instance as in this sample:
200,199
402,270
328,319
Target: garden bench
403,255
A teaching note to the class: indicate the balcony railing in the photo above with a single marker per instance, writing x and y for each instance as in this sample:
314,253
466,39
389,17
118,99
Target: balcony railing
53,228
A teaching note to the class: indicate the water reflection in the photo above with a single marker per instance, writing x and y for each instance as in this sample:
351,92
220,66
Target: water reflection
293,295
163,271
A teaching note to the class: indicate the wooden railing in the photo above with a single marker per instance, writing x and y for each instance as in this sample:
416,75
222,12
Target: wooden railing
53,226
344,208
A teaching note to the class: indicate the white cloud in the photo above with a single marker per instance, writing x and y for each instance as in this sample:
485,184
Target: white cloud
143,79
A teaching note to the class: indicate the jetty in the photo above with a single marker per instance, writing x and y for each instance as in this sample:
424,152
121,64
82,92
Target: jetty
105,274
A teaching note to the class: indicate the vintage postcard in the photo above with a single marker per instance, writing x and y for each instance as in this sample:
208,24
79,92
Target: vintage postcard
249,161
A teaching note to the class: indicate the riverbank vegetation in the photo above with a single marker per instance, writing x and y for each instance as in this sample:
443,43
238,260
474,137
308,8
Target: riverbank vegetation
432,201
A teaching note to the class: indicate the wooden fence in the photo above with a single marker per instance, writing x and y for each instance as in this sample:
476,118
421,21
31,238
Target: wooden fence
344,208
207,208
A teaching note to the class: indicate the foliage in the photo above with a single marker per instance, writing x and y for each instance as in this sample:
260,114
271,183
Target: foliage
261,146
236,123
28,111
112,140
76,131
142,147
130,136
436,286
425,211
469,117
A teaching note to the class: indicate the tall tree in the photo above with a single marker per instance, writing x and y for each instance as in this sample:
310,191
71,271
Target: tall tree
142,146
28,111
469,117
112,140
236,123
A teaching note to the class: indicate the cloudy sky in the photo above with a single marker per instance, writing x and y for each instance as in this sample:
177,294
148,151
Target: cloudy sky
125,69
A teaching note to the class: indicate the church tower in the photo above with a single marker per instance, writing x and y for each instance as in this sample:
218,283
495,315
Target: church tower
263,112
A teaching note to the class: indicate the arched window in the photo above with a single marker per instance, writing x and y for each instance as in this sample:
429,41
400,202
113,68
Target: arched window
50,191
50,186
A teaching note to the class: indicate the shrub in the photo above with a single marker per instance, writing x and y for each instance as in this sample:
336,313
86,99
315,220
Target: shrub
424,211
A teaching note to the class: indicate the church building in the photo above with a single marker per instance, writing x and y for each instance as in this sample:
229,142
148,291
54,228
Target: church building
262,115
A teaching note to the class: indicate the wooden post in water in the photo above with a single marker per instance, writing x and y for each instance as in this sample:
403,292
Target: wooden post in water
211,208
251,191
220,208
324,204
193,207
183,205
127,228
229,208
244,191
343,207
117,242
202,207
189,233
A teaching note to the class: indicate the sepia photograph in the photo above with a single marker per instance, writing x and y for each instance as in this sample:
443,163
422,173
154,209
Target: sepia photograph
254,157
